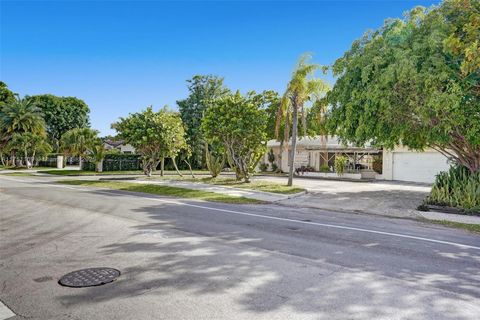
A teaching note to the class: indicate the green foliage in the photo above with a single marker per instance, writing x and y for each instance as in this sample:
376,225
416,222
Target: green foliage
20,116
79,142
324,168
271,156
215,160
61,114
275,167
377,164
340,164
263,166
414,82
457,187
30,146
6,95
202,89
238,123
154,135
303,88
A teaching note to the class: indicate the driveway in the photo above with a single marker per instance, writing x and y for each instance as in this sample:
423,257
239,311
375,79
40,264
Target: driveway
196,260
389,198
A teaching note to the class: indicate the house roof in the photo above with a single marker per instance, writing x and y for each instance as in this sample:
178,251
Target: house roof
321,142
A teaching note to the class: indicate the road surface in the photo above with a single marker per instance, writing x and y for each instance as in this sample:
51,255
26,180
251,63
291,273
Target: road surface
198,260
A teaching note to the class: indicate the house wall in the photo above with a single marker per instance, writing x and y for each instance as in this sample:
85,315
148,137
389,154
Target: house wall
407,165
127,148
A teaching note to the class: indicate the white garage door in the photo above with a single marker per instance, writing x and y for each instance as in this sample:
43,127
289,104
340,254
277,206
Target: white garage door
418,167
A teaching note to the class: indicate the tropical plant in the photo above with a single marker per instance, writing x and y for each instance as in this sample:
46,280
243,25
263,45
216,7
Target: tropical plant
302,88
202,89
30,146
154,135
79,142
457,187
61,114
324,168
415,82
263,166
238,123
340,164
271,157
215,160
96,153
18,116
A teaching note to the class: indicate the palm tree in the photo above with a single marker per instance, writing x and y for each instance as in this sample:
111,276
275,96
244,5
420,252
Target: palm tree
302,88
17,117
78,141
22,116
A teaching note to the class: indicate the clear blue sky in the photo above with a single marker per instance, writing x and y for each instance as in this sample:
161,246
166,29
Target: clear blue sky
121,56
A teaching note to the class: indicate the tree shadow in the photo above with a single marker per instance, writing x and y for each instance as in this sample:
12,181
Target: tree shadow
266,267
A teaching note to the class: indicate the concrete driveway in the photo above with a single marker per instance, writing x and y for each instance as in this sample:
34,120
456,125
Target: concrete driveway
375,197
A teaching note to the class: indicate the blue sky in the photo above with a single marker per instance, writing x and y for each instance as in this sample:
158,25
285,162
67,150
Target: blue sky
121,56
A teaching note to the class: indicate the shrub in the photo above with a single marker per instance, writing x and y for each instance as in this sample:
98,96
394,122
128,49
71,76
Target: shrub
377,164
457,187
324,168
274,167
340,163
263,167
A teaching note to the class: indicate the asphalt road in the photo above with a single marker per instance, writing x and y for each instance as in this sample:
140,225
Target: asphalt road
198,260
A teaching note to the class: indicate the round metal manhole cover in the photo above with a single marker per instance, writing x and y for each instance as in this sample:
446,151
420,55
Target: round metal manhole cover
89,277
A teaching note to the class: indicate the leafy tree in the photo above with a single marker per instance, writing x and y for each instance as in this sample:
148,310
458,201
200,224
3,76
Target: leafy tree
79,142
301,89
155,135
239,124
416,82
29,145
96,153
6,95
61,114
202,89
19,116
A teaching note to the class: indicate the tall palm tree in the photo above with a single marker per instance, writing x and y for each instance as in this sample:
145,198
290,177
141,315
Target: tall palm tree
302,88
78,141
22,116
17,117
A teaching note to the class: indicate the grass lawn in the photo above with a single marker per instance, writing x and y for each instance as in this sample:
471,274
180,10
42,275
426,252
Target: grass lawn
254,185
466,226
109,173
163,190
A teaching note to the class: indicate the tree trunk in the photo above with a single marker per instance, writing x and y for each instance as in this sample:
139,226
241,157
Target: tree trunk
189,167
80,162
176,168
291,159
279,157
162,166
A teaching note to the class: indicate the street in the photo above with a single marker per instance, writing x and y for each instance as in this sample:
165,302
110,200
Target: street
184,259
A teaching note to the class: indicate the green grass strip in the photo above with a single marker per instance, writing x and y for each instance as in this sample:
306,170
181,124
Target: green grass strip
163,191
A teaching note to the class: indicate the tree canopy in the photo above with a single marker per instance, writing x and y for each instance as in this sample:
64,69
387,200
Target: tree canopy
239,124
416,82
202,89
61,114
155,135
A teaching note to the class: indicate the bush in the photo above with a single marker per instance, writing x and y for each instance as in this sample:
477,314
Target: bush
274,167
377,164
263,167
324,168
457,187
340,163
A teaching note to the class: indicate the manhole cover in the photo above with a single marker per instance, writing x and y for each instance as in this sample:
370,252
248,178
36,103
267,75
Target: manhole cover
89,277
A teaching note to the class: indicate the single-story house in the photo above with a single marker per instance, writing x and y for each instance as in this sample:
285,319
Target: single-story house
119,145
318,154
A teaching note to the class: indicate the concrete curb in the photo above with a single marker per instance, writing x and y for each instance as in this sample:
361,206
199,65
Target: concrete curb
429,215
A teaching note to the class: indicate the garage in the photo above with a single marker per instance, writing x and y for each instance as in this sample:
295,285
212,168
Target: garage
418,166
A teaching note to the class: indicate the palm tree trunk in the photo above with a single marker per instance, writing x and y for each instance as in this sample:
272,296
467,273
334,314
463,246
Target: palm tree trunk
291,159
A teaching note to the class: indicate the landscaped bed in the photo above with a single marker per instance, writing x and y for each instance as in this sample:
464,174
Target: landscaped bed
163,190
